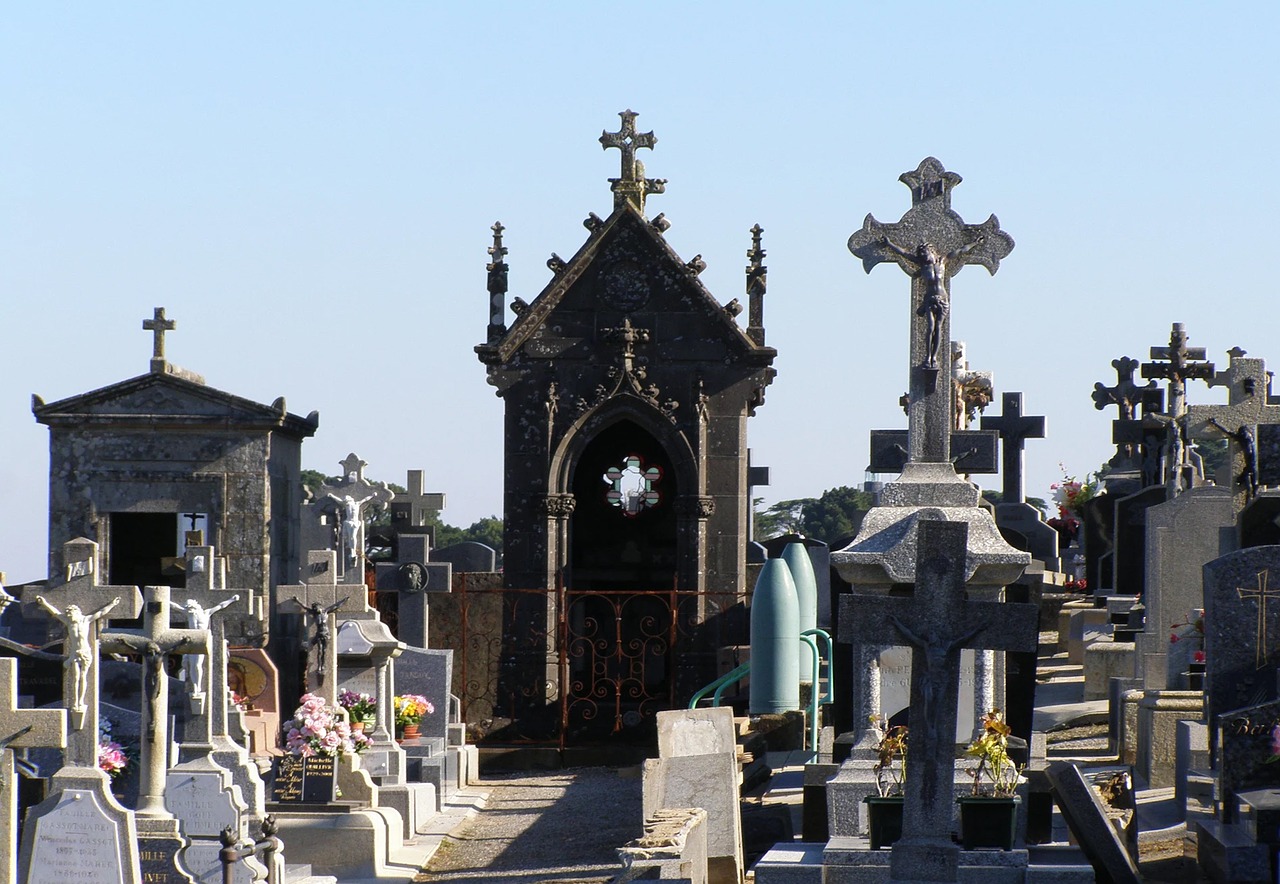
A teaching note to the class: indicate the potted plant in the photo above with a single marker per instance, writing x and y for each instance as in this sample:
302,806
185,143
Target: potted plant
317,729
410,710
361,709
884,811
989,816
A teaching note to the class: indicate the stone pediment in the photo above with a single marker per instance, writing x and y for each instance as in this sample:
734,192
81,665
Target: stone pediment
625,268
163,399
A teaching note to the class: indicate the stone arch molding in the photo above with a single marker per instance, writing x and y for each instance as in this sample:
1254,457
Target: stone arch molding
581,432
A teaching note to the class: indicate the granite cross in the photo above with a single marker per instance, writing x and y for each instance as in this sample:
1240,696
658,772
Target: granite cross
1262,594
1248,408
1014,429
320,599
931,243
210,606
631,185
936,621
158,326
1177,363
155,642
350,499
411,508
410,578
19,729
1125,396
80,590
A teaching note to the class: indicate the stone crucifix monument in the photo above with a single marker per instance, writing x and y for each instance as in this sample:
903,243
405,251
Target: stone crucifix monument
349,502
320,599
1249,407
936,621
931,243
1177,363
19,729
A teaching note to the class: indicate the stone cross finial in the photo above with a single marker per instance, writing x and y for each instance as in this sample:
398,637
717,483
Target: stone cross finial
1248,408
756,284
158,325
497,284
1014,429
631,185
155,643
1261,594
931,243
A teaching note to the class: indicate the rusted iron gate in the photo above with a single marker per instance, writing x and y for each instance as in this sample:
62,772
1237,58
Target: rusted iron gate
573,666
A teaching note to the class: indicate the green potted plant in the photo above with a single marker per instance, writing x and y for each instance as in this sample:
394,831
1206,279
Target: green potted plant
884,811
989,816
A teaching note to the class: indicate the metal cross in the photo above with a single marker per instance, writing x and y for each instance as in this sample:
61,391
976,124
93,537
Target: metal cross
1014,429
1263,594
158,326
931,243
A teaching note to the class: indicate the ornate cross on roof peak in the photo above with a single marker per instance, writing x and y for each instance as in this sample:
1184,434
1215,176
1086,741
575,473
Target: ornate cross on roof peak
631,185
158,325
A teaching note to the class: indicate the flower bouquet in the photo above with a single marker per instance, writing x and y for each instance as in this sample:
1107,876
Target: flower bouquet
112,756
992,751
316,729
362,708
1071,495
410,710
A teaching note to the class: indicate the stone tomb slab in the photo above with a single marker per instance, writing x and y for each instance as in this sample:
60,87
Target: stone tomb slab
201,801
75,836
709,782
1087,819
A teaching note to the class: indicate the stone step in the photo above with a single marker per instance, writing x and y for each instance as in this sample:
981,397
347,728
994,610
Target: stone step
301,874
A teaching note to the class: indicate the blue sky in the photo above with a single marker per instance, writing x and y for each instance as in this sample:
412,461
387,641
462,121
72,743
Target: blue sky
298,181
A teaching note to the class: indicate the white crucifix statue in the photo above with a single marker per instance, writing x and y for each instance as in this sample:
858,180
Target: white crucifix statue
350,500
81,605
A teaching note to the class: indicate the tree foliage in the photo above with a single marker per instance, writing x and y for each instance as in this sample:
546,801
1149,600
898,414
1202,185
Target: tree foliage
837,513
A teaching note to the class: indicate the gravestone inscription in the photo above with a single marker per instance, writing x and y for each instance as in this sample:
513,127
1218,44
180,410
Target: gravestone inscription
299,780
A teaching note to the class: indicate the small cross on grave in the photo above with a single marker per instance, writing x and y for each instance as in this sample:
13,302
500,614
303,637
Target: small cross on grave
1014,429
1249,413
155,642
81,604
19,729
158,325
937,621
1125,396
631,185
410,578
1177,363
410,509
209,606
1261,594
320,599
931,243
350,500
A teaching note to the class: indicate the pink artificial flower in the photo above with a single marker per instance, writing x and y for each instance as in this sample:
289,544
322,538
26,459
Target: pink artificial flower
1198,657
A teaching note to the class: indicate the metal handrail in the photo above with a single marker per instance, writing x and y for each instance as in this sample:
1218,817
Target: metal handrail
269,846
719,685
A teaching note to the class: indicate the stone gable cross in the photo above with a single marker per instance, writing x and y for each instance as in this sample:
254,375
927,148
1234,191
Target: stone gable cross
155,643
320,598
631,185
158,325
931,243
20,729
1014,429
79,589
937,621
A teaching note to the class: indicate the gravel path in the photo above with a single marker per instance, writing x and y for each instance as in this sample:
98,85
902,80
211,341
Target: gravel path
561,827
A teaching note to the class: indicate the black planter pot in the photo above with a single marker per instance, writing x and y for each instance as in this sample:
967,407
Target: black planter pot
988,821
884,820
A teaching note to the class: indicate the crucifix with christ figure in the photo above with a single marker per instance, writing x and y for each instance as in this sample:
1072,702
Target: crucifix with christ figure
320,599
931,243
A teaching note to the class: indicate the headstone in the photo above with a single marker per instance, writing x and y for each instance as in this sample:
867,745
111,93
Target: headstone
710,782
1092,830
1125,396
702,731
72,834
1181,535
412,508
1013,512
1242,630
467,556
973,451
1129,563
1260,521
1245,741
299,780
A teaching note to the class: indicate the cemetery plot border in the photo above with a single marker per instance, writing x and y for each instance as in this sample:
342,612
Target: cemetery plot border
575,666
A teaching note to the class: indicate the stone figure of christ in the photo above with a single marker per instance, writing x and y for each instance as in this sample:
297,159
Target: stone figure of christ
199,617
322,634
78,647
350,523
933,683
934,269
1249,450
